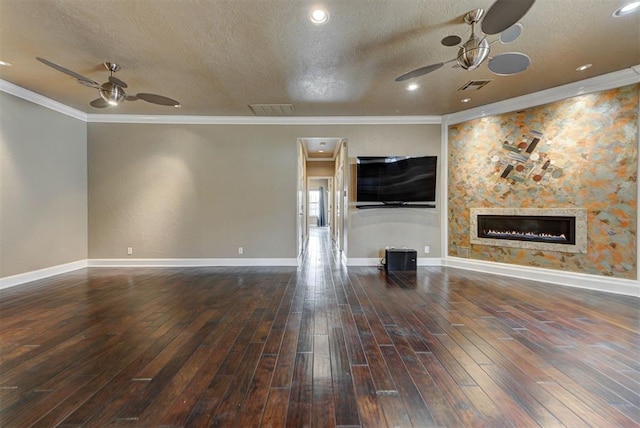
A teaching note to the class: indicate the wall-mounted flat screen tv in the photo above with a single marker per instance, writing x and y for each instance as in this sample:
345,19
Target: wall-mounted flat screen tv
396,179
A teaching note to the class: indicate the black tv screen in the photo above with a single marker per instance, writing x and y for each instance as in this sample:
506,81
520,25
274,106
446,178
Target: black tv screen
396,179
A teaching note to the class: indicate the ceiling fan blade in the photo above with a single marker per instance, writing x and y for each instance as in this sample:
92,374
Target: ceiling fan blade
99,103
84,80
419,72
503,14
509,63
451,40
116,81
158,99
131,97
511,34
89,83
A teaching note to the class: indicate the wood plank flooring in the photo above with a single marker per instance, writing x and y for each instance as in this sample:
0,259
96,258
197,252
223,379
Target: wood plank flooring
321,346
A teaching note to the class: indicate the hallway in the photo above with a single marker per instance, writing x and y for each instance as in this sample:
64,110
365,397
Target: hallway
321,345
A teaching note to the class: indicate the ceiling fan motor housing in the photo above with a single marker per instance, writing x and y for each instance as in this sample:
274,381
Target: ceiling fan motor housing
111,93
473,52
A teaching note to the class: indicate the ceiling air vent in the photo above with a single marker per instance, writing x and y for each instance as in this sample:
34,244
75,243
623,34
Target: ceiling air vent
474,85
272,109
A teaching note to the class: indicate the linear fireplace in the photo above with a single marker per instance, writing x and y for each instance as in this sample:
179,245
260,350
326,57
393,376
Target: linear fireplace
554,229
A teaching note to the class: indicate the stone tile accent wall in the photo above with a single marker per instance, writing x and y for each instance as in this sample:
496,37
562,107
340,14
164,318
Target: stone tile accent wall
586,157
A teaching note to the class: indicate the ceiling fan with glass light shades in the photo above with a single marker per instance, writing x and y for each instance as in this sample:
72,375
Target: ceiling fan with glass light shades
501,18
111,92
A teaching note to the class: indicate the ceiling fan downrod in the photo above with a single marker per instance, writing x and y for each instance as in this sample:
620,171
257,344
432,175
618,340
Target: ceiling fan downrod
110,91
476,49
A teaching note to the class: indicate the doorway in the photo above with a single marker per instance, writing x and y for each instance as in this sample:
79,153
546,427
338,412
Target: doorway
322,171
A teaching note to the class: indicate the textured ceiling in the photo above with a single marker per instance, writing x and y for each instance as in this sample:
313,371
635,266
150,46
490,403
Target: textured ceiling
217,57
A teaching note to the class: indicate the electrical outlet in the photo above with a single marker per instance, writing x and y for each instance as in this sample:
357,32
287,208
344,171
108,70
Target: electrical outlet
240,250
426,249
130,251
463,252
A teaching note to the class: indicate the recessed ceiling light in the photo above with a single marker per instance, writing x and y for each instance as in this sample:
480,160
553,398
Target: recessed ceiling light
584,67
626,9
412,87
465,100
322,143
319,16
5,63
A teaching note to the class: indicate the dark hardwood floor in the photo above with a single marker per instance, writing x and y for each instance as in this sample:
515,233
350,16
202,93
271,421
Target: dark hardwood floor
317,346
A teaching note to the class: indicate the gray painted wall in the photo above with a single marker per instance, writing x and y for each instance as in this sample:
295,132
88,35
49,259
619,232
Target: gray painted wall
190,191
320,168
43,187
371,230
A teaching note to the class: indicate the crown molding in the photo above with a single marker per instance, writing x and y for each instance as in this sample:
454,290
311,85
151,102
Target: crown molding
250,120
617,79
41,100
603,82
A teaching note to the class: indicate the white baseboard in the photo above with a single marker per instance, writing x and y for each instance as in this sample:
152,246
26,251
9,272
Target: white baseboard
571,279
426,261
13,280
191,262
429,261
353,261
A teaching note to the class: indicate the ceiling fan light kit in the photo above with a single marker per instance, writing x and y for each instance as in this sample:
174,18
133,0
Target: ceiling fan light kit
627,9
473,53
112,93
502,17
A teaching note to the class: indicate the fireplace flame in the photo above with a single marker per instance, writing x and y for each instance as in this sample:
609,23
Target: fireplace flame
506,234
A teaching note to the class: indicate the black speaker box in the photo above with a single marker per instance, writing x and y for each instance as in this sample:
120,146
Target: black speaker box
400,259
